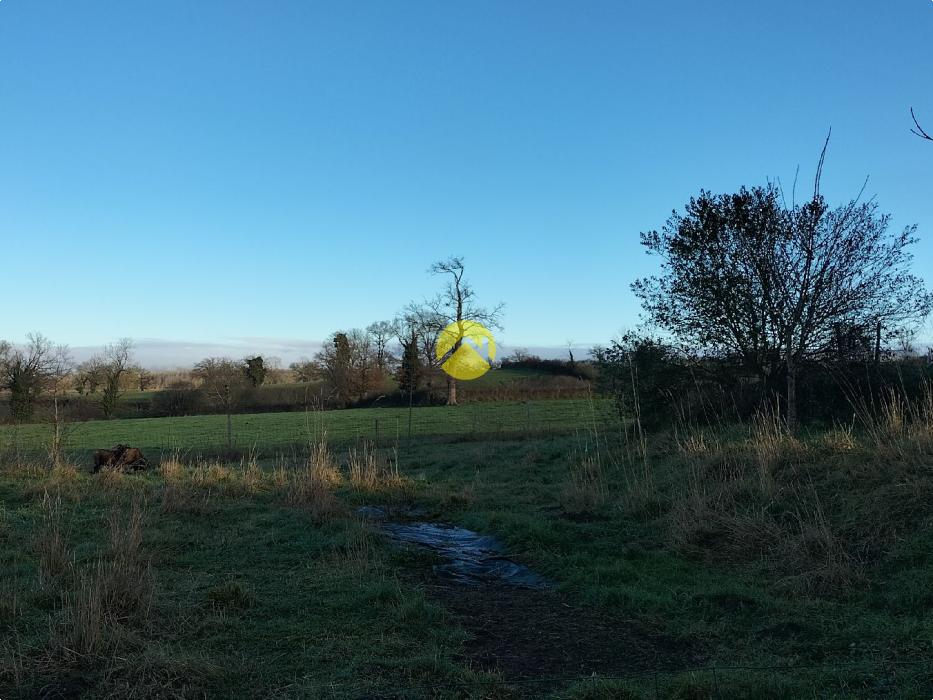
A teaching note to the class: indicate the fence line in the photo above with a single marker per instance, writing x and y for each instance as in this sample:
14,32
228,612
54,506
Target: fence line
268,432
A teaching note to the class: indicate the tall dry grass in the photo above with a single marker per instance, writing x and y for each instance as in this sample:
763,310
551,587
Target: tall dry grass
896,426
772,445
13,662
312,486
55,558
358,555
587,490
108,595
172,468
640,492
372,470
743,501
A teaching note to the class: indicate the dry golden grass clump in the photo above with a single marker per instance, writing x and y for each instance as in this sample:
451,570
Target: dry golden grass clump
251,475
899,428
61,481
696,442
214,476
371,470
772,447
312,487
322,465
211,475
16,466
840,439
171,468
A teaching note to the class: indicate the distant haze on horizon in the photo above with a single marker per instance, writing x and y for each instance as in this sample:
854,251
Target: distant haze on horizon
157,354
230,177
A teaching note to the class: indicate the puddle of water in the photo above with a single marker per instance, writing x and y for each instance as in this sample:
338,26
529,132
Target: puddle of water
470,558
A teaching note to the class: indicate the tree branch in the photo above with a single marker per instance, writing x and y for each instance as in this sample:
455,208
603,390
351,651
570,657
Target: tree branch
919,130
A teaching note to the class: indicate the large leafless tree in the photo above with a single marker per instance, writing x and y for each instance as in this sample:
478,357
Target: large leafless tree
456,302
110,368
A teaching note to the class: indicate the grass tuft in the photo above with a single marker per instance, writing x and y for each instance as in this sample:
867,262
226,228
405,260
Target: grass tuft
371,470
56,561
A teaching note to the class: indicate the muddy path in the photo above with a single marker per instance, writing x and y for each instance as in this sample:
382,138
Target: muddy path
520,625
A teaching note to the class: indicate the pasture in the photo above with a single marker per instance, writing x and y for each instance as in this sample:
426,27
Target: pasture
267,433
685,566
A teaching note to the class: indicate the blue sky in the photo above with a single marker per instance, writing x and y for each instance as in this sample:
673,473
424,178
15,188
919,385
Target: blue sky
247,174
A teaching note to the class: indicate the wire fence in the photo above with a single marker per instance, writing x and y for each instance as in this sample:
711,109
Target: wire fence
266,433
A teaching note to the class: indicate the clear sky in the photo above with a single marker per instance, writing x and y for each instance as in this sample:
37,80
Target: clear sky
252,173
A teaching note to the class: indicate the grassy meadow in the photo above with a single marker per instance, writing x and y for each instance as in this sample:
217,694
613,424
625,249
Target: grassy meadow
735,562
270,432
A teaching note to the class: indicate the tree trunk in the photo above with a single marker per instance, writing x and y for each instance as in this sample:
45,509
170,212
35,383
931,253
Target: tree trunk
877,343
791,395
451,391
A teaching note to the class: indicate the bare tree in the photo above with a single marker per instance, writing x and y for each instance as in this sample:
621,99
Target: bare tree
88,376
221,380
918,130
381,334
144,378
454,304
29,371
305,370
60,369
111,366
347,363
421,322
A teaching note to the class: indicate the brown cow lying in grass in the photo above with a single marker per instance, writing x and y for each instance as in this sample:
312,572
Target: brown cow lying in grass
120,457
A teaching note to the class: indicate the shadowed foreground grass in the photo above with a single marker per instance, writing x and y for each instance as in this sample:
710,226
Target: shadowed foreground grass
255,580
251,590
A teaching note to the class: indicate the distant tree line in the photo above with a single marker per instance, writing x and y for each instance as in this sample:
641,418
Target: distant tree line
393,360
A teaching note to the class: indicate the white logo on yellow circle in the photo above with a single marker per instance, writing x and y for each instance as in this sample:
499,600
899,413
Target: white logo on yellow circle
459,349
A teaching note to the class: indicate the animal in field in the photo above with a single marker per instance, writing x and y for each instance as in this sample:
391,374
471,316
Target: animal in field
120,457
104,458
132,458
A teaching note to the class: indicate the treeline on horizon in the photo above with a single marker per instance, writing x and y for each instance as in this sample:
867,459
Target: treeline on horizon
96,390
391,362
805,310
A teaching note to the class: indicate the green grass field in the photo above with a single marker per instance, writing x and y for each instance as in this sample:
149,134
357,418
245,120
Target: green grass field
740,564
266,432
